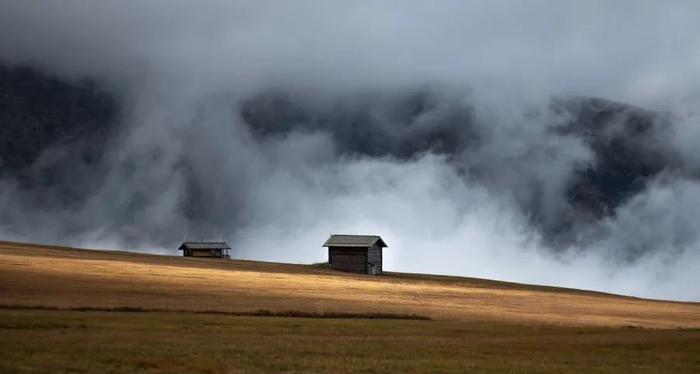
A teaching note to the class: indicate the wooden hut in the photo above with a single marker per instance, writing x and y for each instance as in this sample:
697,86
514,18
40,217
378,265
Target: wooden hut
205,249
356,253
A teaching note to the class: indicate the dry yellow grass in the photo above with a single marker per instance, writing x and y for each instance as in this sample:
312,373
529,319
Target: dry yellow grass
49,341
32,275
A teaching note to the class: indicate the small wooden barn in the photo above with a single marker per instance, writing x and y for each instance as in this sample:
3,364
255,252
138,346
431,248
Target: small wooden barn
356,253
205,249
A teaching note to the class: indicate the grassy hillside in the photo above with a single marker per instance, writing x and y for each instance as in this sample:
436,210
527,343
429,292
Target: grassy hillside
67,278
67,310
99,342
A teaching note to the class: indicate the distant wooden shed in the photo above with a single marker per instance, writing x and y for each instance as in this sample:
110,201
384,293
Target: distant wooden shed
205,249
356,253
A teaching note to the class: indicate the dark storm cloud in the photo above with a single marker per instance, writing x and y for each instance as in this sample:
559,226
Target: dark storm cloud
438,126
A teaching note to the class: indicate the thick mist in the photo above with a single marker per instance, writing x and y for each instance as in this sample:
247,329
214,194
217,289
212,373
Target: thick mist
536,142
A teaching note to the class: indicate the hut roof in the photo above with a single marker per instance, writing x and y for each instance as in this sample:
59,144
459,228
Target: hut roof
354,241
204,245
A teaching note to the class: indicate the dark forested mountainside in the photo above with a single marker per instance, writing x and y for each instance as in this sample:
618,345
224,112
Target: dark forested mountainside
40,111
54,132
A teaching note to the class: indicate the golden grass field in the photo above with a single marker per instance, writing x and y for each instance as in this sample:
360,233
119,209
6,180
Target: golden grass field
476,325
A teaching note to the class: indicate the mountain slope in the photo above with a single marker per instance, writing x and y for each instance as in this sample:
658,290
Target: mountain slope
32,275
59,141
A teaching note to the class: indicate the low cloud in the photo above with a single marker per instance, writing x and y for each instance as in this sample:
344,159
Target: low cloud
459,132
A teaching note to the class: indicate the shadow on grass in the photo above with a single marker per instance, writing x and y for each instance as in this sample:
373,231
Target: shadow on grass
256,313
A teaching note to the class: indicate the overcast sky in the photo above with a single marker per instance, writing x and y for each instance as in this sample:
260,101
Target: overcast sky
184,68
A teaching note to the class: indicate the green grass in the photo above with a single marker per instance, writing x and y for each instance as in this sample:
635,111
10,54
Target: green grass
41,341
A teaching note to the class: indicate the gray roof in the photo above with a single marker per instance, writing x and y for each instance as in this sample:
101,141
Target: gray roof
204,245
354,241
